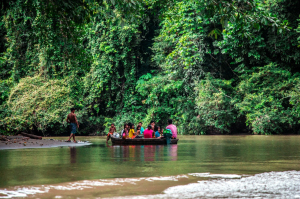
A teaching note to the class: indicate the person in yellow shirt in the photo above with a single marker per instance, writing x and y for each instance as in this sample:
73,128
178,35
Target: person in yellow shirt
131,131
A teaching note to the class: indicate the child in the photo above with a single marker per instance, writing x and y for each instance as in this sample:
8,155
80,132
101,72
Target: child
142,129
157,131
131,131
138,132
112,129
124,133
160,131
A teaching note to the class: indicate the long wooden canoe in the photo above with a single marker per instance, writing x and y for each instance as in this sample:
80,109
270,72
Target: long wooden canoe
141,141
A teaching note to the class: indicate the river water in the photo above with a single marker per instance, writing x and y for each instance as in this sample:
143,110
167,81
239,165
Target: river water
198,167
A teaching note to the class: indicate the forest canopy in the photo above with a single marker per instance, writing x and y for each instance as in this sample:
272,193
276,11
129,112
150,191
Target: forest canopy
213,66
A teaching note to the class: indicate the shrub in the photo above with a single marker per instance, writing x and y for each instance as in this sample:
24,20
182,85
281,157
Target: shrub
37,103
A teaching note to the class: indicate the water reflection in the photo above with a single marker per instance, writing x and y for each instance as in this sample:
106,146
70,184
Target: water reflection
193,154
173,152
144,153
72,155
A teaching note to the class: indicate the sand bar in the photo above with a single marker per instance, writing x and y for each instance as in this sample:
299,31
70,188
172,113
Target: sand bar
21,142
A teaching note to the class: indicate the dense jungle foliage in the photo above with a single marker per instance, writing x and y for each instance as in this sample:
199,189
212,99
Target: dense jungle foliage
213,66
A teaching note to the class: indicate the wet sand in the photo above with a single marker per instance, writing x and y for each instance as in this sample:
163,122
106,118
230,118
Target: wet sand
20,142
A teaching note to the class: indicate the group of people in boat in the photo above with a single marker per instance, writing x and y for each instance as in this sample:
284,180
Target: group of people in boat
128,132
152,131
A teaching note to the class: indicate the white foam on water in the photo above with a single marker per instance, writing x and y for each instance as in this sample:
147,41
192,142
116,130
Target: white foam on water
168,178
265,185
208,175
83,142
86,184
20,192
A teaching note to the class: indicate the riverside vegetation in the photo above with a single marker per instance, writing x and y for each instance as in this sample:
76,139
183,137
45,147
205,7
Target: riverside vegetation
213,66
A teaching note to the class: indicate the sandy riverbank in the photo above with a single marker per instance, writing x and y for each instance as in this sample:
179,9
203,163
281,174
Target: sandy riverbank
20,142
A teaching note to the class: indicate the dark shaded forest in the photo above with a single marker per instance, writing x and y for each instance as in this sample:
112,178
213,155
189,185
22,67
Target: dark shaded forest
213,66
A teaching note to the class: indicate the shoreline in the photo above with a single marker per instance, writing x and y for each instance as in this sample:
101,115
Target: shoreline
21,142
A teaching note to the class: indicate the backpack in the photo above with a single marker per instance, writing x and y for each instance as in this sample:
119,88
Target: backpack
167,131
168,135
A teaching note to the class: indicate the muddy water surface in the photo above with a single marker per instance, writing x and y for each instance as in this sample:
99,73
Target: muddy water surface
103,170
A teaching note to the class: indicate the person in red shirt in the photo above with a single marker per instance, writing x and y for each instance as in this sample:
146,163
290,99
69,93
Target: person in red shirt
148,132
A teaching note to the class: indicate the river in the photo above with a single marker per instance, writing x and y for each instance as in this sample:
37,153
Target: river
199,166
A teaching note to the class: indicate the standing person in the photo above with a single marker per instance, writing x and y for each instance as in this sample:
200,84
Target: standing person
173,128
72,120
111,131
131,131
142,129
148,132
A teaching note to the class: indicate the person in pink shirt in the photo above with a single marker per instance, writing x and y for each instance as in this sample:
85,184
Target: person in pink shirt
148,132
172,127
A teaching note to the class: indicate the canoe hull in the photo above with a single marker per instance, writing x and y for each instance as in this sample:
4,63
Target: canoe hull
141,141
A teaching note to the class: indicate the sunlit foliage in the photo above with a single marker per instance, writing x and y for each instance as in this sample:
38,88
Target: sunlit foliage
213,66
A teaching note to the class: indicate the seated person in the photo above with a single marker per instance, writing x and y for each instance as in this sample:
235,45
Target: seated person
152,123
173,128
138,132
142,129
131,131
148,132
124,133
157,132
161,131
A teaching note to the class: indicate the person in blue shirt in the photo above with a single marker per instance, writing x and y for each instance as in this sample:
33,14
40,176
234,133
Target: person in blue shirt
157,132
142,129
